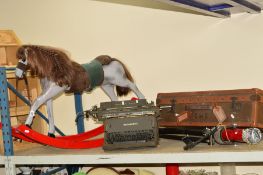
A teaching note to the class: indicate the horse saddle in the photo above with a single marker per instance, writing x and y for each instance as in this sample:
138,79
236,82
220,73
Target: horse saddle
95,73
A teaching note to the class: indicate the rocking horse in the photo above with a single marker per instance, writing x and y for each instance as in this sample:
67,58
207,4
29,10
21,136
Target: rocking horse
59,74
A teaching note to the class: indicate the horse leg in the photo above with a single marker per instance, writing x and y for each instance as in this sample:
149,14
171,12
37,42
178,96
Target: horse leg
50,92
44,86
109,91
51,122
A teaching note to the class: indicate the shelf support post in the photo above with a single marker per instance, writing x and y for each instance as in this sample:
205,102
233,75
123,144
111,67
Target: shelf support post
5,115
80,125
10,168
79,113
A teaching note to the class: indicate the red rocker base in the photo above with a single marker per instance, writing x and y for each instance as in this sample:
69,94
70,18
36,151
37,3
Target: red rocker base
69,142
78,141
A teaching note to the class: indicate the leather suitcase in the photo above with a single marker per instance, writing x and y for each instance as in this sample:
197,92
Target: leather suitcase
242,108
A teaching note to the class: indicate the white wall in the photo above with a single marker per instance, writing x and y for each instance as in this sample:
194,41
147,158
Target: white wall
165,50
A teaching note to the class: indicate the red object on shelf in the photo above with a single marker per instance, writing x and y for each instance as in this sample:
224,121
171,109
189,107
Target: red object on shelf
232,135
72,138
134,98
59,143
78,141
83,136
172,169
18,135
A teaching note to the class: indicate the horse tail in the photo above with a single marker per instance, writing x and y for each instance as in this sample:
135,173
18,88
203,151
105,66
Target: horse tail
121,91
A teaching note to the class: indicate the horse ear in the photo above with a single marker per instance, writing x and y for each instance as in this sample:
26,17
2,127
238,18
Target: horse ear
26,52
21,53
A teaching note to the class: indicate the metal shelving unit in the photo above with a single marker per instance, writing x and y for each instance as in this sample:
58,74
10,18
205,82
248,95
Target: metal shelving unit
218,8
168,151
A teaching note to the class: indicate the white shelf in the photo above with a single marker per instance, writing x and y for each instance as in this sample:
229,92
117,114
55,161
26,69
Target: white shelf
168,151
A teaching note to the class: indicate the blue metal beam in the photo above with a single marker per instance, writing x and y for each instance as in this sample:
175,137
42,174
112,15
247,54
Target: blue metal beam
79,113
5,115
219,7
80,126
203,8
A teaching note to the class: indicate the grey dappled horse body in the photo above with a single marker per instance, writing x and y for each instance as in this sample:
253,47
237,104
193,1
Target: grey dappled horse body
114,74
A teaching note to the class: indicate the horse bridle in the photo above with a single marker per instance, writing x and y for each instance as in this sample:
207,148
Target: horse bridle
22,66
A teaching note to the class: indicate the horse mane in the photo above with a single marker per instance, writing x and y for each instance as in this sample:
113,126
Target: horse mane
51,63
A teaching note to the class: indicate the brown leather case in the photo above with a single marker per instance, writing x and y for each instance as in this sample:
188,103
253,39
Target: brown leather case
242,107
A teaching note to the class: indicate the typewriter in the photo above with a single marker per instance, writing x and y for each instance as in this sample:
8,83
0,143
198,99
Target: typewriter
128,124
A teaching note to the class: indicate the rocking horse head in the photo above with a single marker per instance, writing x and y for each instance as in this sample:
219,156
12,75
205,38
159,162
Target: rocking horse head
22,66
45,62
